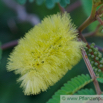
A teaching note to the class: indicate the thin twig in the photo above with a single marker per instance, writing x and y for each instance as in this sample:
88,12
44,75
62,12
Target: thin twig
92,33
99,19
22,15
73,6
89,20
89,34
92,17
100,9
87,62
61,8
82,37
9,44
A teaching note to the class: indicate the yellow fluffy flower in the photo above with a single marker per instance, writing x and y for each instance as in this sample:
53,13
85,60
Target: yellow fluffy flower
46,53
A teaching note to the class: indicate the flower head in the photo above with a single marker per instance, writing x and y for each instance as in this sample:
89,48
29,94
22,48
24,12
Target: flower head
46,53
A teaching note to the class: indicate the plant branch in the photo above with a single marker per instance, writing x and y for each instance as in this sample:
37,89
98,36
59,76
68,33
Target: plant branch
87,62
92,17
82,37
89,34
9,44
22,15
61,8
92,33
89,20
86,23
73,6
99,19
100,9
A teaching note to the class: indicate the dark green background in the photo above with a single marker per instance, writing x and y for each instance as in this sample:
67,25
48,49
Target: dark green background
10,92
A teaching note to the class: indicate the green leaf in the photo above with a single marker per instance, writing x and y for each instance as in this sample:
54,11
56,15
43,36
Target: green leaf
50,4
86,92
100,80
21,1
71,87
39,2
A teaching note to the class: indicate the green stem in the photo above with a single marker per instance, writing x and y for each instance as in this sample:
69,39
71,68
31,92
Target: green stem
85,24
92,17
89,20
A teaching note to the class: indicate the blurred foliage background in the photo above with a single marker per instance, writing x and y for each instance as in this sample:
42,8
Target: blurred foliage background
12,28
